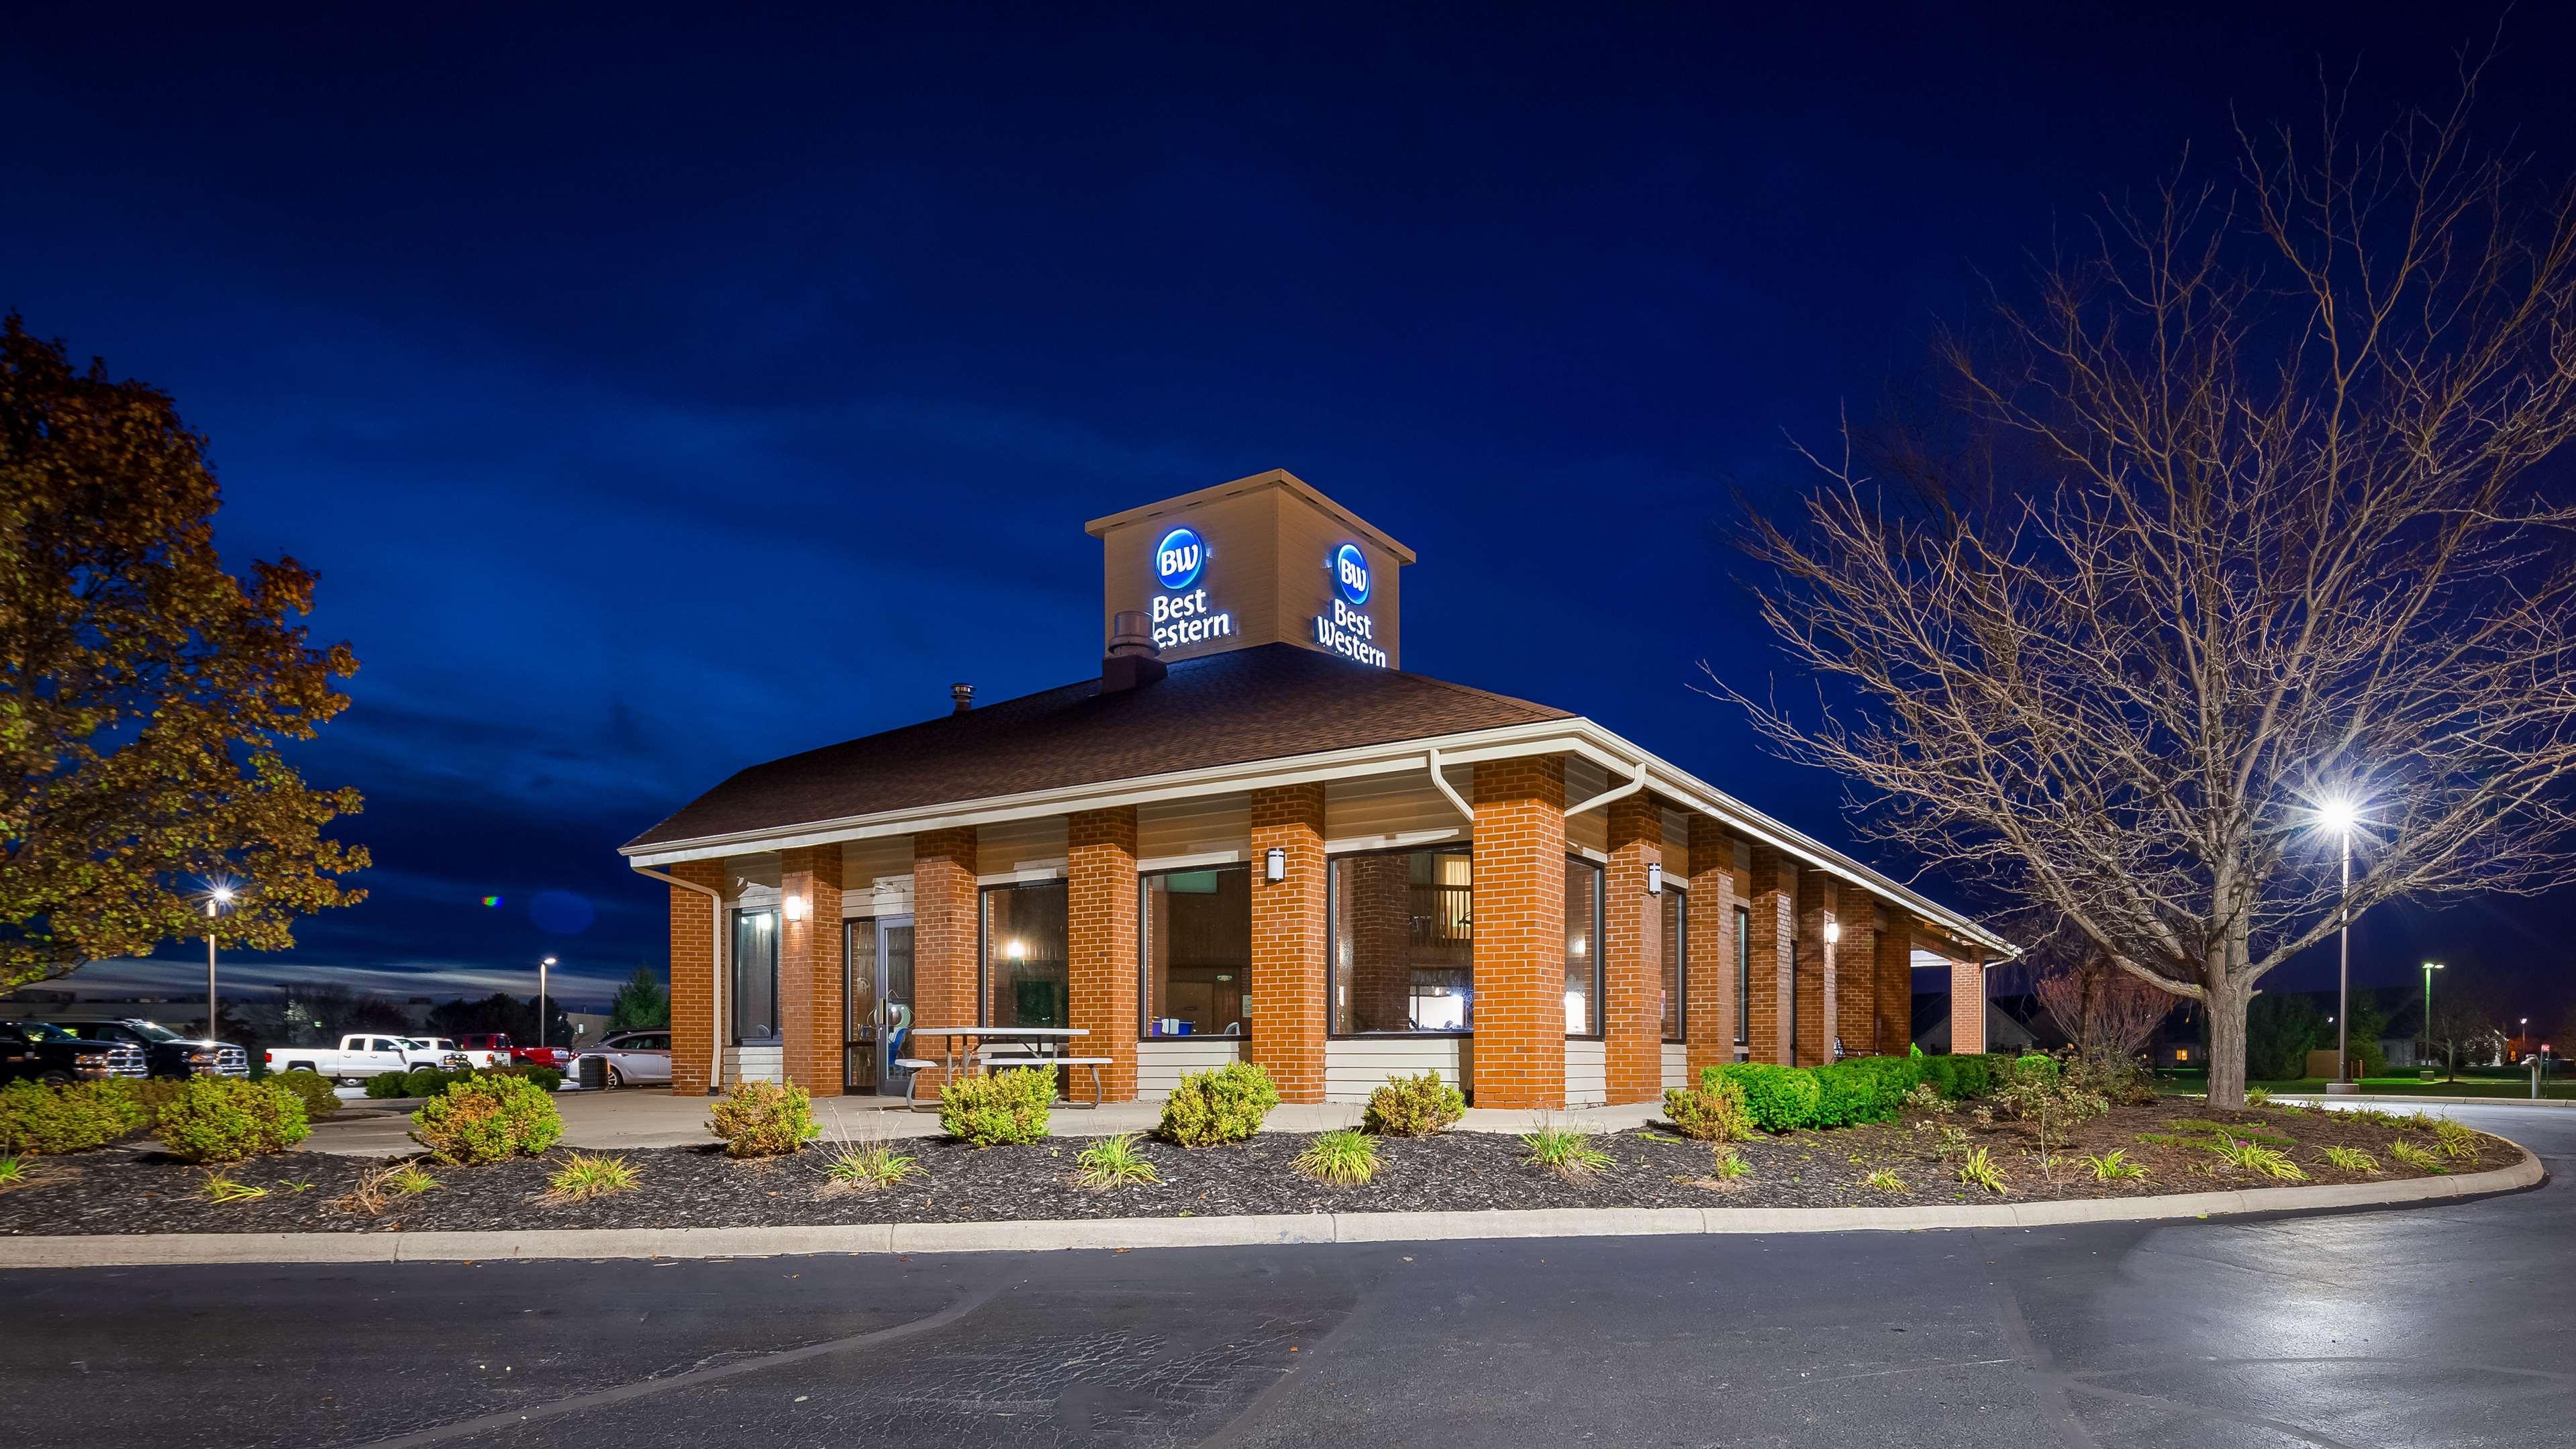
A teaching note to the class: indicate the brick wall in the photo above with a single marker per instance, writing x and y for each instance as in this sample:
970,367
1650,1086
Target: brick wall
1856,971
1288,949
810,977
1709,993
1815,969
945,932
1967,1006
1632,1019
1379,911
1774,892
1100,922
1895,981
1520,933
693,978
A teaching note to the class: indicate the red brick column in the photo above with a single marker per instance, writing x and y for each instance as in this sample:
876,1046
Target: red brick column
1378,911
1708,991
1774,890
946,931
1520,933
1815,967
695,979
1101,964
1632,1024
1896,983
809,970
1856,971
1967,1006
1288,947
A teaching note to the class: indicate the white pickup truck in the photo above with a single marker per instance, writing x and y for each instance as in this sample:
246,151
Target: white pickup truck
370,1054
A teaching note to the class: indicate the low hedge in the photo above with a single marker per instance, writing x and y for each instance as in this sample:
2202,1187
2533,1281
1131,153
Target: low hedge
998,1108
764,1119
319,1099
486,1119
35,1117
1854,1090
225,1119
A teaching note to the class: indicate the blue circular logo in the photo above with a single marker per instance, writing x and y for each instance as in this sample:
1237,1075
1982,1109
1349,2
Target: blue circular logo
1350,573
1179,557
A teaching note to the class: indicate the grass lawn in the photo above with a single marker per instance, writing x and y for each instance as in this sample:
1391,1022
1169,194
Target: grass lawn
2486,1084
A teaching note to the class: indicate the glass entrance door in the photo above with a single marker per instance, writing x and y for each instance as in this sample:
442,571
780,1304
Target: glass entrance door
878,997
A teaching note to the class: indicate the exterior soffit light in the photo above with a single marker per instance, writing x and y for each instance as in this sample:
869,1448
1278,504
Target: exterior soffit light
1833,932
793,907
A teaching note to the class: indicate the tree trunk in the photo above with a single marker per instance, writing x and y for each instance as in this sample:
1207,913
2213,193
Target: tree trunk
2229,996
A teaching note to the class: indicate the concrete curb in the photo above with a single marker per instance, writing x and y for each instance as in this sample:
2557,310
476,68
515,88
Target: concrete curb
2373,1099
165,1249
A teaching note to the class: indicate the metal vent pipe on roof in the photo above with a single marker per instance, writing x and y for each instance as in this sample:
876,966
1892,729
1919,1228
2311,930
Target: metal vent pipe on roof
961,698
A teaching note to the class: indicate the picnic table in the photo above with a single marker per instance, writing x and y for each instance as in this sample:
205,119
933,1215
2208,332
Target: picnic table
965,1047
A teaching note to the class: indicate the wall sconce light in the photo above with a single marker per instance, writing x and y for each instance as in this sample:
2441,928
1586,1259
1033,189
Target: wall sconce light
1274,864
1655,878
1833,932
792,907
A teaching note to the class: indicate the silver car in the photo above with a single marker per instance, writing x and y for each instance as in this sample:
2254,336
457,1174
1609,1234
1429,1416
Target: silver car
636,1058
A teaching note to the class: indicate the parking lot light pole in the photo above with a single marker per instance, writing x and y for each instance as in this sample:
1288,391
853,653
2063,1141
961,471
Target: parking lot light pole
542,968
2429,968
216,899
2340,815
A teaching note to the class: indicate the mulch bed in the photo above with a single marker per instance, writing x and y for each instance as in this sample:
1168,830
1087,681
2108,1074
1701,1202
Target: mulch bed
134,1189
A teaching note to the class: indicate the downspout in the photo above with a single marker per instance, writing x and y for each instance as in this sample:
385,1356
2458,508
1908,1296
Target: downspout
715,958
1615,792
1465,810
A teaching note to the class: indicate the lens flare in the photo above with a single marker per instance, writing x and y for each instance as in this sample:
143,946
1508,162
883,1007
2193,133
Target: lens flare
491,903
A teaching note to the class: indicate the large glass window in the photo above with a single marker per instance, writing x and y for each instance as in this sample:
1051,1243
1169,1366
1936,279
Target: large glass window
1582,947
1743,974
1025,955
1676,957
1195,938
1403,941
755,977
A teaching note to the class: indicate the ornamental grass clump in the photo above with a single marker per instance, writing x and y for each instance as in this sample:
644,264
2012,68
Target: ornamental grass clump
37,1118
1727,1164
583,1177
225,1119
2350,1159
2114,1166
1566,1151
2256,1158
761,1119
488,1119
2415,1157
1713,1111
1884,1180
2455,1140
1222,1105
1340,1159
998,1109
1416,1106
1977,1170
1114,1162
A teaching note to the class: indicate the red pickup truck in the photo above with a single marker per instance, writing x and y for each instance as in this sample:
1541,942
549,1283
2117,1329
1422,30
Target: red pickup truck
499,1041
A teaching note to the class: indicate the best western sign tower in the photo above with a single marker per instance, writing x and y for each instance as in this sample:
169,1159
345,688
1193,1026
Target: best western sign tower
1261,560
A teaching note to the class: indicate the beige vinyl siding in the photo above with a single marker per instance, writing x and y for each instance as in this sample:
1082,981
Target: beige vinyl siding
1677,844
1676,1064
755,1064
876,877
1591,829
1587,1073
1018,845
1162,1061
1199,826
1355,1067
1377,810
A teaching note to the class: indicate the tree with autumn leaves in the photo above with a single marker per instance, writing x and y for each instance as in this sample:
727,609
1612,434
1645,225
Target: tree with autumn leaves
146,694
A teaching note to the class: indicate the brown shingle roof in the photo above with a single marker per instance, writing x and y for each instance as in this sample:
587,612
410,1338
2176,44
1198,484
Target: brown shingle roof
1266,702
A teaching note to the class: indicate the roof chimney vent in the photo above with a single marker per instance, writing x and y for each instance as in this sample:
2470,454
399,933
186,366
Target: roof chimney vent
961,698
1133,659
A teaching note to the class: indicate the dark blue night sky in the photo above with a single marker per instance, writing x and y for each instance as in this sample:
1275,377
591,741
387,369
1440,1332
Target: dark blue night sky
657,396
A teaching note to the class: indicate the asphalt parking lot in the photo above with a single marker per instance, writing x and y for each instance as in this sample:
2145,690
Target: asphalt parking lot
2423,1326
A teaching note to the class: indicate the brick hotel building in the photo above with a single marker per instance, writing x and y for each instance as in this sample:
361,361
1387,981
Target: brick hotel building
1251,834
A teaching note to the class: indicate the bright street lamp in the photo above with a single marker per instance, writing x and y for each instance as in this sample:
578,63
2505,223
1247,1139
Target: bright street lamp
542,968
219,896
2429,968
2339,814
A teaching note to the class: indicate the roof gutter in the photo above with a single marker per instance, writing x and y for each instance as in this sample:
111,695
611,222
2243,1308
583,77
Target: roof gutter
715,957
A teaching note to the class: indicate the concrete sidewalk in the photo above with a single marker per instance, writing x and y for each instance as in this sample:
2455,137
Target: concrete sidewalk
645,1117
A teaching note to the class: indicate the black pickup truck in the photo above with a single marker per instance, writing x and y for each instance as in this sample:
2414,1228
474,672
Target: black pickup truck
166,1052
32,1051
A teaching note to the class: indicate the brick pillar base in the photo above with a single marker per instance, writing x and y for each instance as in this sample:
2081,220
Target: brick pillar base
1633,946
1896,983
1856,974
1967,1007
1708,991
1288,945
810,979
695,978
1520,934
946,930
1100,919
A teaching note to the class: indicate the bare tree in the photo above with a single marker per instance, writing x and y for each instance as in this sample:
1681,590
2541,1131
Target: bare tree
2107,1012
2231,530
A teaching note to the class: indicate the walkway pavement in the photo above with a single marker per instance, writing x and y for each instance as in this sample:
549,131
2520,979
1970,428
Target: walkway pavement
642,1117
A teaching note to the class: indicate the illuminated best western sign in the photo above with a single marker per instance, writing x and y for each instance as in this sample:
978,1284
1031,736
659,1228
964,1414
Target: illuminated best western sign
1181,614
1348,630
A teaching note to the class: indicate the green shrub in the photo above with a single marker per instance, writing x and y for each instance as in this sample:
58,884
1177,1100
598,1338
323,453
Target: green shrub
319,1100
1222,1105
35,1117
487,1119
1863,1089
384,1086
225,1119
998,1107
1416,1106
1964,1076
548,1079
1713,1111
757,1119
1781,1099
